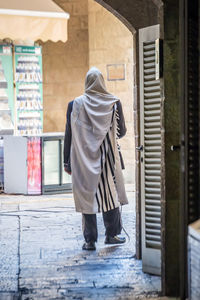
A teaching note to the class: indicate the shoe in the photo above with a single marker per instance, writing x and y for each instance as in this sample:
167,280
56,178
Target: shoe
89,246
115,240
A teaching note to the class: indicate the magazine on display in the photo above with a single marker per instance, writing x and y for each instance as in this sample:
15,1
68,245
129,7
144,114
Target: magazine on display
29,94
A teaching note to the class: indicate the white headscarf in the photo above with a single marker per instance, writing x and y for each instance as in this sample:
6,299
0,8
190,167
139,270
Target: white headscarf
95,85
98,102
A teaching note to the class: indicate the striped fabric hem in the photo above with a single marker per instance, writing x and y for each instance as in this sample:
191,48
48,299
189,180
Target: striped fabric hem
104,194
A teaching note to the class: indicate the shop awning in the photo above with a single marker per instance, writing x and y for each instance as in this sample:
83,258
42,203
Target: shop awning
32,20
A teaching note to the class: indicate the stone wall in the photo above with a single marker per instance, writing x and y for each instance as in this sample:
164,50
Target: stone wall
111,44
65,66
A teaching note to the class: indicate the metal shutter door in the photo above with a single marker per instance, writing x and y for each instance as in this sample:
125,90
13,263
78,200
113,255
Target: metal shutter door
150,126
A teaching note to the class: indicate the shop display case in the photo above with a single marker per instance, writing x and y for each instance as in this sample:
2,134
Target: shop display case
54,178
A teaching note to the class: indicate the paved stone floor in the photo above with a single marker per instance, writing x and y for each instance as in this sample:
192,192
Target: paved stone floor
41,255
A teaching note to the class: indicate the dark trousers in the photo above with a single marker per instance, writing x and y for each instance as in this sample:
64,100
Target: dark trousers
112,222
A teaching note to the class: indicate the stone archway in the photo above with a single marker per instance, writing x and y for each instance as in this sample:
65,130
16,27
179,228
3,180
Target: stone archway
137,14
134,15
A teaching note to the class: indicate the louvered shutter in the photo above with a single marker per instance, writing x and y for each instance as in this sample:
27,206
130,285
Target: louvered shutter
150,134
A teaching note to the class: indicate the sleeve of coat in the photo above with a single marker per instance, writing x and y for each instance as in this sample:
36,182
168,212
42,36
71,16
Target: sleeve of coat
121,121
68,137
121,130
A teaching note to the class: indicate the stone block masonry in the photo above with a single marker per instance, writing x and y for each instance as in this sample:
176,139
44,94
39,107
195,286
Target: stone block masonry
65,66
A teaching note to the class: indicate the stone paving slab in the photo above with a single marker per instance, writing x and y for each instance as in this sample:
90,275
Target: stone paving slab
41,240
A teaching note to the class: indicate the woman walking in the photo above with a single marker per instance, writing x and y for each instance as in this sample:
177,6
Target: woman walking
94,122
